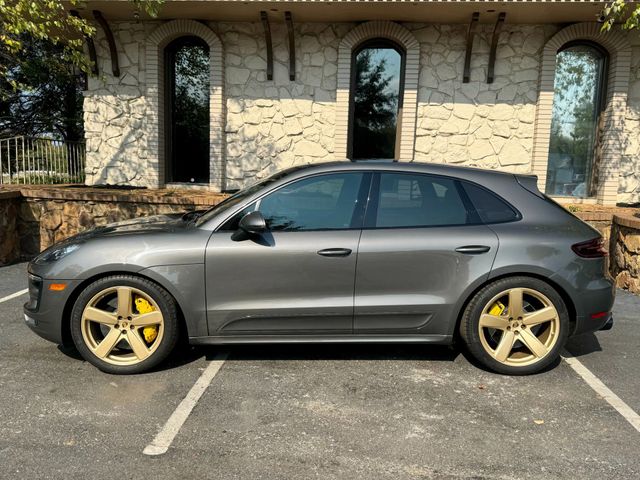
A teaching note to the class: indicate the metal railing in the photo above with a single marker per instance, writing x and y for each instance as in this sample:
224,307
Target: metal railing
41,161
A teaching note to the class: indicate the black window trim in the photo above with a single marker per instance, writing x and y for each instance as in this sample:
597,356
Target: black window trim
472,211
364,194
371,186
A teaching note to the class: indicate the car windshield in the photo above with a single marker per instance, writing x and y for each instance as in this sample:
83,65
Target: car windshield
239,197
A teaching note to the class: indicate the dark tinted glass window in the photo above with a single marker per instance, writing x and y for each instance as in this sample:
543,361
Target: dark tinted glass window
325,202
407,200
490,208
188,110
577,104
239,196
376,99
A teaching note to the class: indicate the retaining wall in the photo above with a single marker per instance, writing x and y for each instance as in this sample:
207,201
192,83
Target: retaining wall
34,218
625,252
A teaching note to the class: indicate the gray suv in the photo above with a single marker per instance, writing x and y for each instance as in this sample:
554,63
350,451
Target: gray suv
337,252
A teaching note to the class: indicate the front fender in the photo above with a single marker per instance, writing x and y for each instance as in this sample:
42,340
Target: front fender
127,253
186,284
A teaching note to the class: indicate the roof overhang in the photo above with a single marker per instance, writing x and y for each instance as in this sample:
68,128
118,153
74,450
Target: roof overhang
429,11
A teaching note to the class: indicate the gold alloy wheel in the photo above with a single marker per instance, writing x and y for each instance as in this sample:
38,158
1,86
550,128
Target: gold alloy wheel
112,326
519,327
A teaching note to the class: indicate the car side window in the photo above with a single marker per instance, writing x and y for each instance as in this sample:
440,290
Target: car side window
322,202
415,200
489,206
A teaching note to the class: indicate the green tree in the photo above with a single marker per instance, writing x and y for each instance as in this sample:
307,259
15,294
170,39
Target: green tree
48,99
42,66
48,20
23,21
621,11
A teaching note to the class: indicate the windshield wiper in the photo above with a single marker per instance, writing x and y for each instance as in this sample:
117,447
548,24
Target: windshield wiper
192,216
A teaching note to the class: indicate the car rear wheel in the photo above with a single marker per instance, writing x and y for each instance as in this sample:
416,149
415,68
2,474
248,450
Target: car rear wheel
515,325
124,324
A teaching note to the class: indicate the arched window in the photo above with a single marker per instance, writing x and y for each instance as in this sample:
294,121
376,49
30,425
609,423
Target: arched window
377,84
578,100
187,110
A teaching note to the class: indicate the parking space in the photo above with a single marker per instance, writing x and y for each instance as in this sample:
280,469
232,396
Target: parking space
317,411
12,279
614,355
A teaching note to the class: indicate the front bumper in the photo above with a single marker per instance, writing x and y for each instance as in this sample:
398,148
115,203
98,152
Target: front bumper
44,312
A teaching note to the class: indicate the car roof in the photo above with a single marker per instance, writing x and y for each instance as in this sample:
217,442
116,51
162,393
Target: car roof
399,166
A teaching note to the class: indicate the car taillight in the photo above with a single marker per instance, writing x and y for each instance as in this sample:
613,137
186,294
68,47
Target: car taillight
591,248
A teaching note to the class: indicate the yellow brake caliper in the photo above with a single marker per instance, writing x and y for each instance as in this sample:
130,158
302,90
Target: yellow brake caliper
150,332
497,309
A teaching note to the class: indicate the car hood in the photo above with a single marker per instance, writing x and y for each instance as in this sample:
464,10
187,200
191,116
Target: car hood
156,223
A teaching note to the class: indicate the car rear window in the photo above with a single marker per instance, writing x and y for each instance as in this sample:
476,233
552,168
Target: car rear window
490,207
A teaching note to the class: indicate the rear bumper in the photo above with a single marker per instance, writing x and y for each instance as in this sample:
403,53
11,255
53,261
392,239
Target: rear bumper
590,305
609,324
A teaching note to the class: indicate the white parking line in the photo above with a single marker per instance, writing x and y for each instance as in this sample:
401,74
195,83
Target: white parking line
14,295
164,438
601,389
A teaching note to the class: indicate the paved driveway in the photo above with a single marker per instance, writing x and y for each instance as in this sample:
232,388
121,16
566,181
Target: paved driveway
289,412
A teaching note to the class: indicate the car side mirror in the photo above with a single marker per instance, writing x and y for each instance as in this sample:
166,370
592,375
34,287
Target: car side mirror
253,223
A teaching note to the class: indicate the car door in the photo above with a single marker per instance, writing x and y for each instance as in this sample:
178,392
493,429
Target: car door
298,277
422,245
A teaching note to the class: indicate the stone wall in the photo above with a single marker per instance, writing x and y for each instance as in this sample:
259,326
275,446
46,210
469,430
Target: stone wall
625,254
271,125
477,123
36,218
276,124
629,182
115,109
9,246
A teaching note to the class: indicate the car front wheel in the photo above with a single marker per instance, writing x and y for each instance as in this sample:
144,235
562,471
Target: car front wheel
124,324
515,325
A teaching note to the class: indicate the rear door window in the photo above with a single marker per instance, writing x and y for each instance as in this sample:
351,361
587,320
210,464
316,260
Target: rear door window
415,200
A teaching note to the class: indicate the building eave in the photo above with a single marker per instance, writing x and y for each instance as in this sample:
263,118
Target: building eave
430,11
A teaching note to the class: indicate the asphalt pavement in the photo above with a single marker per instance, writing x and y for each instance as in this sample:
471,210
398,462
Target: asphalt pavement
320,411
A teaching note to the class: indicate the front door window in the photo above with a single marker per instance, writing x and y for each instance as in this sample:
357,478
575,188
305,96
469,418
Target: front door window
323,202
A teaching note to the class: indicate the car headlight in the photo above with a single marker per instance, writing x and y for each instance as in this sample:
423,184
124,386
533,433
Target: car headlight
56,253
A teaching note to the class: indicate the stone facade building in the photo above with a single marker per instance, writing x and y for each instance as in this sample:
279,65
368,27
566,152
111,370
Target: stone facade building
515,86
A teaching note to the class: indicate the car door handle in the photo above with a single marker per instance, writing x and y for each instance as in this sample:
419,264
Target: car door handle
473,249
335,252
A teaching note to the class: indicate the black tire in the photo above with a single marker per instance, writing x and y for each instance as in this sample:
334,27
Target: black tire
163,299
469,324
